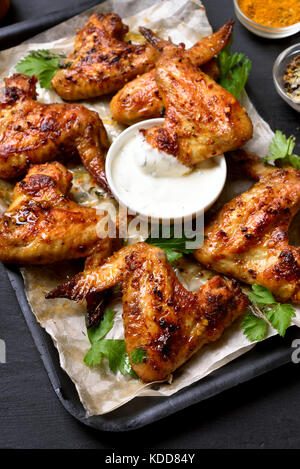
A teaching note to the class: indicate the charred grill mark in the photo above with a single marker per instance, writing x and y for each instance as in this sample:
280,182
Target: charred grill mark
12,94
158,293
163,323
71,79
161,344
167,142
252,273
36,182
288,267
49,125
132,262
222,234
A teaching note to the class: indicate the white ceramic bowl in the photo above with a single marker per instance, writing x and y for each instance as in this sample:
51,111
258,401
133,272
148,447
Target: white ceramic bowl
116,147
264,31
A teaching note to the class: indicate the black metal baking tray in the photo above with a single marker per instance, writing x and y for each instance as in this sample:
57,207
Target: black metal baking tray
142,411
13,34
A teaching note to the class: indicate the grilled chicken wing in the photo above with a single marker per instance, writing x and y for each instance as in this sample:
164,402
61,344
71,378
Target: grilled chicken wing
248,239
102,62
202,119
169,322
140,98
33,132
42,225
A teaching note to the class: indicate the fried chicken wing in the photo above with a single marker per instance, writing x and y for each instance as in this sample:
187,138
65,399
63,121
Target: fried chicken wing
248,238
169,322
140,99
43,225
102,62
33,132
202,119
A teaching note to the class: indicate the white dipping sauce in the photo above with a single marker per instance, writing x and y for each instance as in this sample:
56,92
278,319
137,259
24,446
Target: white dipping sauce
156,184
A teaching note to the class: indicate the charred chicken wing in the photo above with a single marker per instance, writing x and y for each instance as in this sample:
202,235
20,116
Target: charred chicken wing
140,99
33,132
202,119
169,322
102,62
248,239
42,225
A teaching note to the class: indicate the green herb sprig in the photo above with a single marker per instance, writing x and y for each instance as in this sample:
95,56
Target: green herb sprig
281,149
43,63
235,69
112,349
138,355
173,247
265,312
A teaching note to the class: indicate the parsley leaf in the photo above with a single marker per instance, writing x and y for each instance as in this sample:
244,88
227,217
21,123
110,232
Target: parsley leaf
94,355
254,328
265,311
138,355
235,69
261,295
173,247
280,317
294,160
125,366
112,349
42,63
281,148
96,333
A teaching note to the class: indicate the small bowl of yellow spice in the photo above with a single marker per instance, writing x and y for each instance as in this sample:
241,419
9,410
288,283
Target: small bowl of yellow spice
272,19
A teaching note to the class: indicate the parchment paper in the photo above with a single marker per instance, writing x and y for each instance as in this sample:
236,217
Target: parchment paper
101,391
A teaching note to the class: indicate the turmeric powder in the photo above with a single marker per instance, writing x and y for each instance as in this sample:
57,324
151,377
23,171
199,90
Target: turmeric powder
273,13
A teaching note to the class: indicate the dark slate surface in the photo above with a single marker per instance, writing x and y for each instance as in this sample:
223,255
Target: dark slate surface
263,413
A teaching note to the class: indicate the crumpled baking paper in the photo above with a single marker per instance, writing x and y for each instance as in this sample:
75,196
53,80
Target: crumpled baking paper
101,391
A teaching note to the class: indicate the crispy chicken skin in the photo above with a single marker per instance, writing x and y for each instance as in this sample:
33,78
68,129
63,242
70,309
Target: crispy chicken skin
102,62
137,100
140,98
42,225
248,238
202,119
169,322
33,132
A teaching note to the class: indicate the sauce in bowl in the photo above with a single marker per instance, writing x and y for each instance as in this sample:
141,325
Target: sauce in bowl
155,184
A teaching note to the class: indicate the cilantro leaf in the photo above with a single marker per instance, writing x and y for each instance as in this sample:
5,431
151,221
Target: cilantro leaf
94,355
261,295
281,148
254,328
112,349
173,247
294,160
125,366
265,310
235,69
172,255
138,355
98,332
42,63
236,80
280,317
